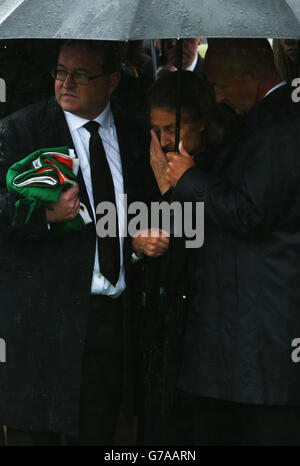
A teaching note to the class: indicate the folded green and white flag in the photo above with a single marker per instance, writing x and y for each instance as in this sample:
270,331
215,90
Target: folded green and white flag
40,178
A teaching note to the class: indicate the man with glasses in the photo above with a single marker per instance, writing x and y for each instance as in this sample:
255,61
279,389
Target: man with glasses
191,59
62,299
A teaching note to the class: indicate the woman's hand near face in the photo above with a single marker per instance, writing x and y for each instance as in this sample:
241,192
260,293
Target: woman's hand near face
159,163
178,164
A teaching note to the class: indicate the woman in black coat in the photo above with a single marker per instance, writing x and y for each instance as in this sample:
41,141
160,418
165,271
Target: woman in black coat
167,280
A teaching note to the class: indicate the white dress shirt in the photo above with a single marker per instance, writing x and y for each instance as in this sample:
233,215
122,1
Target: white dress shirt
282,83
193,65
81,138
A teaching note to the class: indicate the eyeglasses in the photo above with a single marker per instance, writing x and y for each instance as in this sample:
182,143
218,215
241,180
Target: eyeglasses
79,77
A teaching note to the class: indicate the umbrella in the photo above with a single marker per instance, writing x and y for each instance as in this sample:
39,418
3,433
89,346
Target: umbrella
148,19
295,7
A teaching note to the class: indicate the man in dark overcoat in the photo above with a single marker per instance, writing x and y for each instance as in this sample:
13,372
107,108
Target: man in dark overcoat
191,58
63,300
240,376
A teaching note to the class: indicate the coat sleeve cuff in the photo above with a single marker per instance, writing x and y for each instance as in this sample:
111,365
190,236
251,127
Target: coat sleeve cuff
193,185
36,228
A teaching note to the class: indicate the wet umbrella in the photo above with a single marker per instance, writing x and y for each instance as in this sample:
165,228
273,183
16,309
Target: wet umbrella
295,7
148,19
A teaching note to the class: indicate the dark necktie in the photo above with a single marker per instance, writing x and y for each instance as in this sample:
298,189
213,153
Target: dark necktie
103,190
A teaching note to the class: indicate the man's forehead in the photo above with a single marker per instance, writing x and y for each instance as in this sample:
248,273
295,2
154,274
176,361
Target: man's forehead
223,67
192,41
188,41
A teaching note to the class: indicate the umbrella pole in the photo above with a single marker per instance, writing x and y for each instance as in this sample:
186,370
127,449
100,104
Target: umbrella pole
154,60
179,87
298,58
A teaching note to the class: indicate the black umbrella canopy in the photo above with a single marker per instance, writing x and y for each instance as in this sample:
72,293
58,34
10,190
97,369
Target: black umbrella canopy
148,19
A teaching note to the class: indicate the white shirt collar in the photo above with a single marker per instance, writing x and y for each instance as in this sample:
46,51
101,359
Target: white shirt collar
75,122
282,83
193,65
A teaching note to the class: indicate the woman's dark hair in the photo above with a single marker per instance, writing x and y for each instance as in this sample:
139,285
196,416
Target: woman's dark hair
197,104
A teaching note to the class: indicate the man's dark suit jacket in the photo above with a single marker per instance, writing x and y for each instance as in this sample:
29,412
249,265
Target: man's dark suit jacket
147,71
246,299
199,69
45,283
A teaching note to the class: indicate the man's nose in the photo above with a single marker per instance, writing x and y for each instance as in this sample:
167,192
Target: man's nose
68,82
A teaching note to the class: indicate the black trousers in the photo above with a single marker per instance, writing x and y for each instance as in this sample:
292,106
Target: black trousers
200,421
102,381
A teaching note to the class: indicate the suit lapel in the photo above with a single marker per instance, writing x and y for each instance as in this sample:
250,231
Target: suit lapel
61,131
123,137
199,68
130,152
63,138
131,146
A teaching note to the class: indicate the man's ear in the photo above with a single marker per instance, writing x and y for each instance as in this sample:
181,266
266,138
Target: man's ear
114,79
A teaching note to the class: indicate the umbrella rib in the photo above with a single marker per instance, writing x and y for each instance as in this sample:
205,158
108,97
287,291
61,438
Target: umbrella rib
8,10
